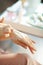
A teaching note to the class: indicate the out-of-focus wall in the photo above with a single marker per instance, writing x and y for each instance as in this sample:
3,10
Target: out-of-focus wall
5,3
42,1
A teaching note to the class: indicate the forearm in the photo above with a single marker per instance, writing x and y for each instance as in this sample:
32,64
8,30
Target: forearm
16,59
12,59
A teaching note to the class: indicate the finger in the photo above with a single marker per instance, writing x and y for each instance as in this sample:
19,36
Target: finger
32,49
2,20
33,41
23,44
23,41
17,40
20,34
2,38
5,32
27,41
19,43
29,44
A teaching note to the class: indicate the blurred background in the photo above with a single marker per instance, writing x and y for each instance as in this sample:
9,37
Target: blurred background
6,3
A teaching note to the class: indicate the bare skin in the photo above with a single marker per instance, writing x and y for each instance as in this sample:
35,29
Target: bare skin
23,40
7,31
16,59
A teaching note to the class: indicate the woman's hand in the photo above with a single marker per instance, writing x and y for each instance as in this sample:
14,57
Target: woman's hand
7,31
16,59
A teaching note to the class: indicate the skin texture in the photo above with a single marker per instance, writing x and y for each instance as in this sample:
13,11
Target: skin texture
12,58
16,59
7,31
